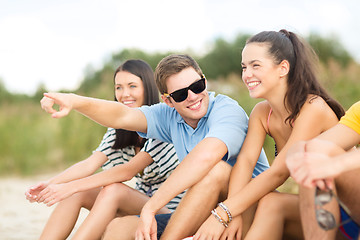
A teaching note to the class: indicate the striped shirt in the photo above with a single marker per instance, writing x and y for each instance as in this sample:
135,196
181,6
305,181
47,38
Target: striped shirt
115,156
165,161
148,182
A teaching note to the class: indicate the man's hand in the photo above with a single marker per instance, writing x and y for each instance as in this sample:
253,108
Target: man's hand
61,99
147,229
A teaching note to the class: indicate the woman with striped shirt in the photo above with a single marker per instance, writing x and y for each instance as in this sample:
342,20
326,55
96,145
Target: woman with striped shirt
120,156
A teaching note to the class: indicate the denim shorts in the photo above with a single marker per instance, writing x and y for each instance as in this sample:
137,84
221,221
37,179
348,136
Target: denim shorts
161,220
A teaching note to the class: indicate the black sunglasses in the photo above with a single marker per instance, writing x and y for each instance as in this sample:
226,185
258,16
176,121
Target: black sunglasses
326,219
181,94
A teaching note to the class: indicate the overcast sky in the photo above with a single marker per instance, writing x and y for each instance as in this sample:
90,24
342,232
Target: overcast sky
51,42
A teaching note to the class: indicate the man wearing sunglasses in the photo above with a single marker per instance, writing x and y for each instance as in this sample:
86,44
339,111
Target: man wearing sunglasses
325,163
206,130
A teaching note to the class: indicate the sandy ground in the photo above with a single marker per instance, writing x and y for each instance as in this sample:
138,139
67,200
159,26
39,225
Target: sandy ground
20,219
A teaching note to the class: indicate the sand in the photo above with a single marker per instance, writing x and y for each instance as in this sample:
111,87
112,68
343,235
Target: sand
20,219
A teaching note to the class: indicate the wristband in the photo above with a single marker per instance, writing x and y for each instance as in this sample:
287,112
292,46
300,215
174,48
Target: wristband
217,216
226,209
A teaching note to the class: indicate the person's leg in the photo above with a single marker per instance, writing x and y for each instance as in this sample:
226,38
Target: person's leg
65,214
114,199
197,203
348,190
277,216
308,220
248,218
122,228
125,227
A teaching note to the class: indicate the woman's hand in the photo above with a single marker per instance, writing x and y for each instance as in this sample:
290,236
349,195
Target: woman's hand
210,229
55,193
33,192
311,163
234,231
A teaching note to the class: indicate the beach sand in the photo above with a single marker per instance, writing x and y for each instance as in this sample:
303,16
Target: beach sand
20,219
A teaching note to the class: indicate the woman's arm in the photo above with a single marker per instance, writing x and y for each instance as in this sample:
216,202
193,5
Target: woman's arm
340,164
324,157
341,135
241,173
119,173
81,169
314,118
314,167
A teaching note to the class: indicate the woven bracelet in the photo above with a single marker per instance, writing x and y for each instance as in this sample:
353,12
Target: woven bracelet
226,209
217,216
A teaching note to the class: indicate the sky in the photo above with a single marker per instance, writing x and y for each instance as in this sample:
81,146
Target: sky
52,42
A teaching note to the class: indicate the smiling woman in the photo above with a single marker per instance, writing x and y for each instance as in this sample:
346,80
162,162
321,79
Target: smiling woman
123,154
278,67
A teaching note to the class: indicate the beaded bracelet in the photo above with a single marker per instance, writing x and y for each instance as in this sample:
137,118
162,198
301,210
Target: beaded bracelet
226,209
217,216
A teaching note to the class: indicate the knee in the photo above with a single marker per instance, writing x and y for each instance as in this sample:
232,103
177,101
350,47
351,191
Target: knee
123,226
218,176
270,203
111,229
116,191
81,199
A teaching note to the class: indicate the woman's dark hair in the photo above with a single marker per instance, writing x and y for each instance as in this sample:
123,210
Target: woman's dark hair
143,70
302,78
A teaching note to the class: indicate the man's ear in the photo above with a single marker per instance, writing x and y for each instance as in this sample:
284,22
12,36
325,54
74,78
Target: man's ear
167,101
284,68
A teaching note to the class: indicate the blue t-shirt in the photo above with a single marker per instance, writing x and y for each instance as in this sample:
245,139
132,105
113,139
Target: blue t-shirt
224,120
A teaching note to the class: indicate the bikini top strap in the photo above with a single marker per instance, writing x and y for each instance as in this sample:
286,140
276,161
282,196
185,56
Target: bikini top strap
268,122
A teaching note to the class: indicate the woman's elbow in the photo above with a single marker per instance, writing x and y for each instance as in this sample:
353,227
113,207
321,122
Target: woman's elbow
281,175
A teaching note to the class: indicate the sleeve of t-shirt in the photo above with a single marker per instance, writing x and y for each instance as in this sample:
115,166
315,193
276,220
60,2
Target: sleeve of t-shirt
228,122
107,142
115,156
157,117
163,155
352,117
